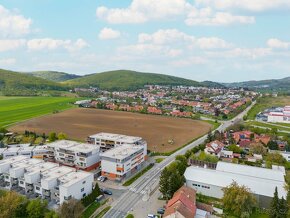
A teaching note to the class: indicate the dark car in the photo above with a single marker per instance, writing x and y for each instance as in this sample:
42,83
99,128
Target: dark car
107,192
161,210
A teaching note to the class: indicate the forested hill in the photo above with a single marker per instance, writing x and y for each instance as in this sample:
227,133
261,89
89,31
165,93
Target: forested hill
15,83
54,75
128,80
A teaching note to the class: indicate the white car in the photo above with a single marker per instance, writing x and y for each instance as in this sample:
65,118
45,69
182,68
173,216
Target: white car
100,178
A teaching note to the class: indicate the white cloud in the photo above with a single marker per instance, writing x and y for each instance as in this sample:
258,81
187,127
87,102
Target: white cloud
11,44
165,36
278,44
53,44
207,17
175,37
13,24
251,53
7,61
141,11
250,5
212,43
108,33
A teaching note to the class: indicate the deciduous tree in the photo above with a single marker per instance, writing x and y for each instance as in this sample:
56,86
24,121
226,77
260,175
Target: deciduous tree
238,201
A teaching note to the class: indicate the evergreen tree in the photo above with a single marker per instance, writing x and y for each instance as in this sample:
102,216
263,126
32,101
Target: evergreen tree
283,208
274,209
164,183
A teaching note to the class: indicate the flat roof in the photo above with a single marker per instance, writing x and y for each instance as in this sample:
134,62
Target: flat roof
55,173
13,159
73,177
116,137
259,184
74,146
271,174
42,167
121,152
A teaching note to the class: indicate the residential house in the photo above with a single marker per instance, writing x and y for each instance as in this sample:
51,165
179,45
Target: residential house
214,148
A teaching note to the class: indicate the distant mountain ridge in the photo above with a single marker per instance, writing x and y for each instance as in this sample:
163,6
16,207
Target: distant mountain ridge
270,84
54,76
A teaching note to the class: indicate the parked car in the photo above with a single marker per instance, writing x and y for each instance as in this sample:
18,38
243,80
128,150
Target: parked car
107,192
100,178
152,216
103,179
161,211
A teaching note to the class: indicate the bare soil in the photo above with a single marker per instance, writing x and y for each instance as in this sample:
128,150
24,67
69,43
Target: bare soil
163,134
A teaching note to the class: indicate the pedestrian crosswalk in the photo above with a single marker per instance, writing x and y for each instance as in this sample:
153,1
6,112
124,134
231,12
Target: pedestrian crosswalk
142,192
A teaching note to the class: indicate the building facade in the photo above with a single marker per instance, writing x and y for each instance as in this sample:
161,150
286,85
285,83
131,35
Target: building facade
120,162
107,141
74,154
46,179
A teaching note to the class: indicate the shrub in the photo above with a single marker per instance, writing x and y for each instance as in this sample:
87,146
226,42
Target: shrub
86,201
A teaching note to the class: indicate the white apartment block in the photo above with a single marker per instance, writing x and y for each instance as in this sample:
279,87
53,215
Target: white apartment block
108,141
49,180
29,151
118,163
74,154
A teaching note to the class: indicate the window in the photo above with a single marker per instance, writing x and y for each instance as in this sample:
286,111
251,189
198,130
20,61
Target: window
21,182
37,188
84,195
82,189
84,182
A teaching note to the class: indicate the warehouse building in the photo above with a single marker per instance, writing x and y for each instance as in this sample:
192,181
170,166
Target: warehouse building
74,154
262,182
48,180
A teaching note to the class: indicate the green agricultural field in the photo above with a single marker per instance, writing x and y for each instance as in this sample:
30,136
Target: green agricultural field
16,109
267,102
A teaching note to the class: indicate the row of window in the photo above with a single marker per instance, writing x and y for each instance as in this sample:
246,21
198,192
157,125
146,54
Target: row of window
202,186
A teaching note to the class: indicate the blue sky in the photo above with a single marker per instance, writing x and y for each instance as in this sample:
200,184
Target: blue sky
218,40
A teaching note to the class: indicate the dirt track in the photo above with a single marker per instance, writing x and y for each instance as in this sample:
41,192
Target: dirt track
157,130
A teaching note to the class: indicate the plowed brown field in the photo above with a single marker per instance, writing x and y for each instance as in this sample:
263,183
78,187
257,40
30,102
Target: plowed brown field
163,134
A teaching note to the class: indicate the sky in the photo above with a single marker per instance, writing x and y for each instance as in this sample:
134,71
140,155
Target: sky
217,40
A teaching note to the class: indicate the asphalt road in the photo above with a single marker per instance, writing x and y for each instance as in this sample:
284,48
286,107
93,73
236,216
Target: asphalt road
140,188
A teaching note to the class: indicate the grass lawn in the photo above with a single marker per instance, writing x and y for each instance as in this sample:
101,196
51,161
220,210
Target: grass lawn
134,178
267,102
90,210
103,212
159,160
268,125
16,109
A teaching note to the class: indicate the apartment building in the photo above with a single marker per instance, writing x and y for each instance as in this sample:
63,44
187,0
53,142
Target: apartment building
108,141
48,180
13,169
24,150
74,154
120,162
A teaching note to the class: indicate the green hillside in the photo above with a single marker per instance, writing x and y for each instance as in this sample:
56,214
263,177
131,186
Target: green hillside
13,83
54,75
128,80
269,85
